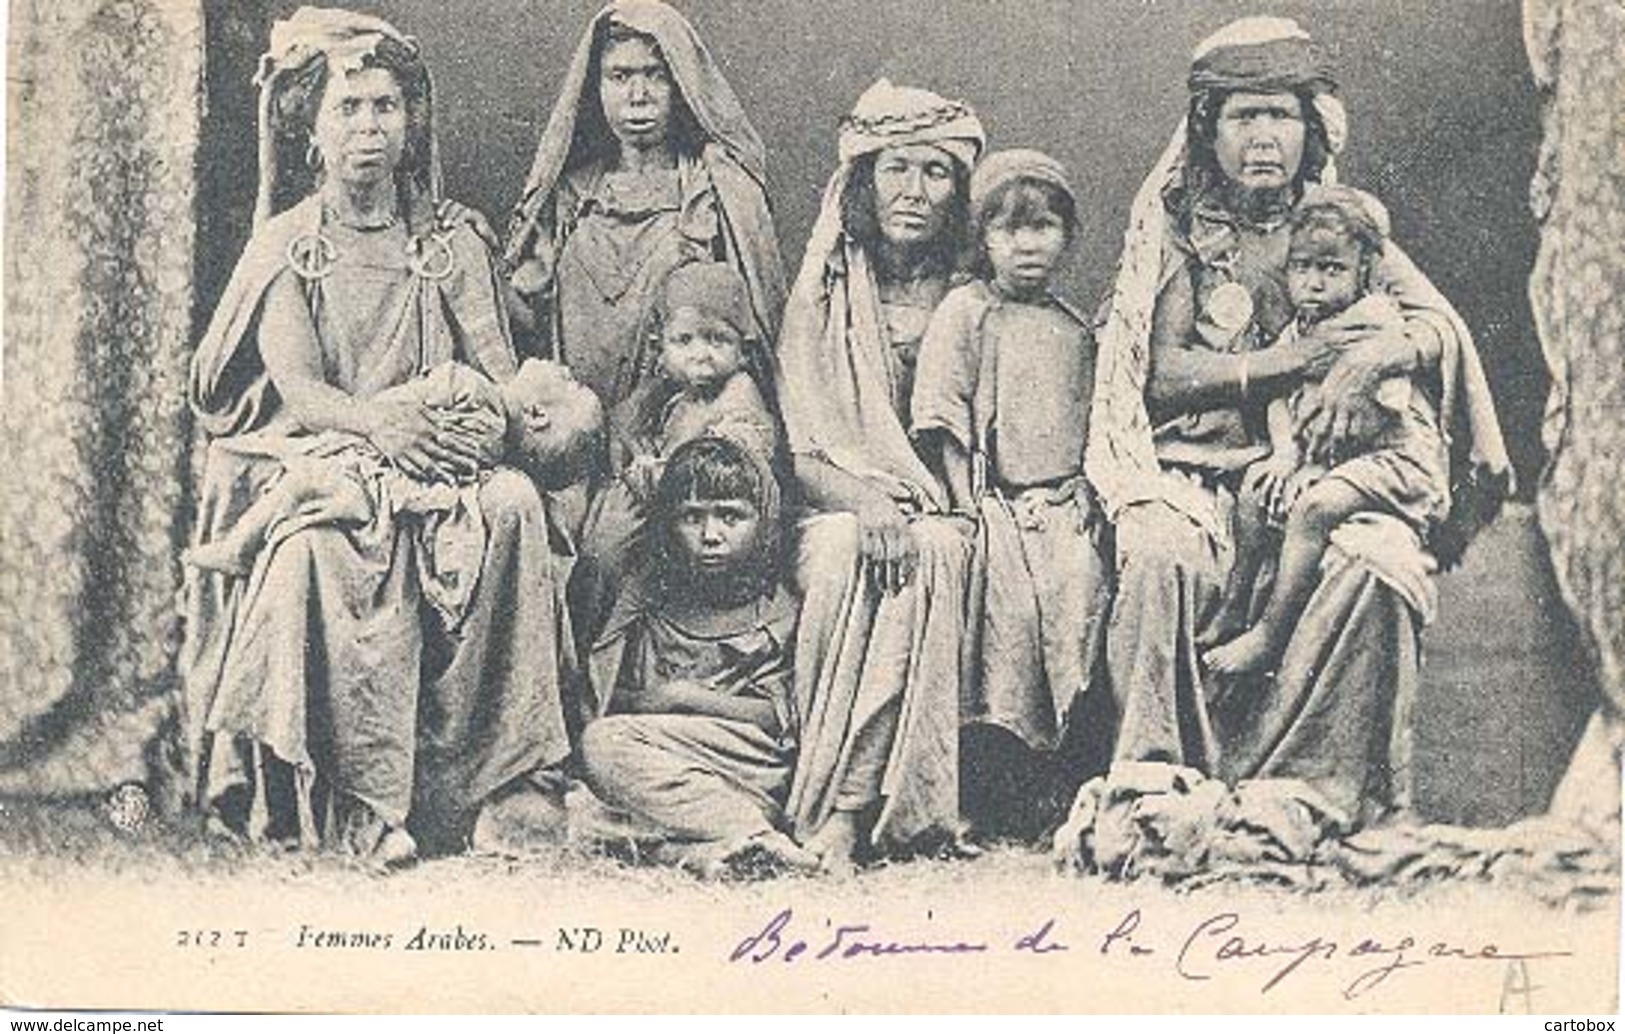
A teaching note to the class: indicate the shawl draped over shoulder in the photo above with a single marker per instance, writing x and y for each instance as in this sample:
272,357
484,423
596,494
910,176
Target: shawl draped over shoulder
834,382
732,155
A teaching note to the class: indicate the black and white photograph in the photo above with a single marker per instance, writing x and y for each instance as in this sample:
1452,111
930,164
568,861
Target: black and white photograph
775,506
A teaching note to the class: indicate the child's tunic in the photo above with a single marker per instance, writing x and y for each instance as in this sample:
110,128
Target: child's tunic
1010,382
698,779
1404,469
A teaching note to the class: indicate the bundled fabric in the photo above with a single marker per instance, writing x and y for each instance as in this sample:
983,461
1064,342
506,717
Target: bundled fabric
1170,823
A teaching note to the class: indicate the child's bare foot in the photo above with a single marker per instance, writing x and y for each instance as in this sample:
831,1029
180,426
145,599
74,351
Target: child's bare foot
1229,622
1250,651
220,555
767,855
836,843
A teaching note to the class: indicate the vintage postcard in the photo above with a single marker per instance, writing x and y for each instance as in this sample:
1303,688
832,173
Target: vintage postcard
812,507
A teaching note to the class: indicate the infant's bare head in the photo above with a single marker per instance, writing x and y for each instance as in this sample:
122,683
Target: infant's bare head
555,424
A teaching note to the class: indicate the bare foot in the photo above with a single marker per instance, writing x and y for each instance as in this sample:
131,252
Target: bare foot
767,855
220,555
1250,651
519,822
1229,622
836,843
396,849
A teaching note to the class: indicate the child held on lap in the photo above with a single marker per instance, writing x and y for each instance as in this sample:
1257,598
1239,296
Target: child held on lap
1338,235
541,421
694,666
1001,401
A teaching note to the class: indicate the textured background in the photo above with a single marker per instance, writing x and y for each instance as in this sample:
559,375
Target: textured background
1443,113
1445,128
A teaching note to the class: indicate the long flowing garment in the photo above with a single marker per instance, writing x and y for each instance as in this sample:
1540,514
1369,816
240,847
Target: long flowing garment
1010,383
694,779
1336,713
878,676
327,656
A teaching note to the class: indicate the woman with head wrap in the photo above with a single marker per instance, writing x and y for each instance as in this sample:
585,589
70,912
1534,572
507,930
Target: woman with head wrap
1183,378
647,163
882,571
325,700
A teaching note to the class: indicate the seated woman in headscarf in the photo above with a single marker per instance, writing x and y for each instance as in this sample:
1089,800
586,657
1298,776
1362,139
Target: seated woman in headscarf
1185,375
327,700
647,163
882,570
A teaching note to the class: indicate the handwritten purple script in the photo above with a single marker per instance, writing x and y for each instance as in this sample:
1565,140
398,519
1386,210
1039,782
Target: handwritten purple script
1220,944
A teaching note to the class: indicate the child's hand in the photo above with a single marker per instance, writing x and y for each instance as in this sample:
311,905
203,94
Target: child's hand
642,475
1300,481
1266,481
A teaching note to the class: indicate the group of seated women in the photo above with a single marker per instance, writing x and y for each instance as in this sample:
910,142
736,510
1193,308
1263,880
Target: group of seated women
619,505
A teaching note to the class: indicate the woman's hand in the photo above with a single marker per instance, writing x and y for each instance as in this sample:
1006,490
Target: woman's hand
887,545
1299,482
1316,351
416,442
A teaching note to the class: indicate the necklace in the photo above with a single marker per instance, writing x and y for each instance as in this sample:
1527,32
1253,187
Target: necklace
369,225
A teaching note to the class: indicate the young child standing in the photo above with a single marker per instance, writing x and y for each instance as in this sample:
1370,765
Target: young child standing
705,383
694,667
1338,236
1001,401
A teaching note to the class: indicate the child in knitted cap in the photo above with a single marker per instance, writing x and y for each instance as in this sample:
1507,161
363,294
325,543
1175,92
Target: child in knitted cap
1338,235
1001,405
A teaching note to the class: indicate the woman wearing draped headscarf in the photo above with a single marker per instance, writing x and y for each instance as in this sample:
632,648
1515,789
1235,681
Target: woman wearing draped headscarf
881,567
648,162
1183,375
326,699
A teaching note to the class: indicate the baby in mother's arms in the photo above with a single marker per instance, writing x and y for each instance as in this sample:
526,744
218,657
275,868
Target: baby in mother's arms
542,421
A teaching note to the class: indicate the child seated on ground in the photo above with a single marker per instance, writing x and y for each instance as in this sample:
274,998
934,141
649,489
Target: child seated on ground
542,421
1001,402
694,667
1338,236
704,383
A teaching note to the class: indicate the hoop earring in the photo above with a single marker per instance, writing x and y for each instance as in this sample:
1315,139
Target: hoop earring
313,156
